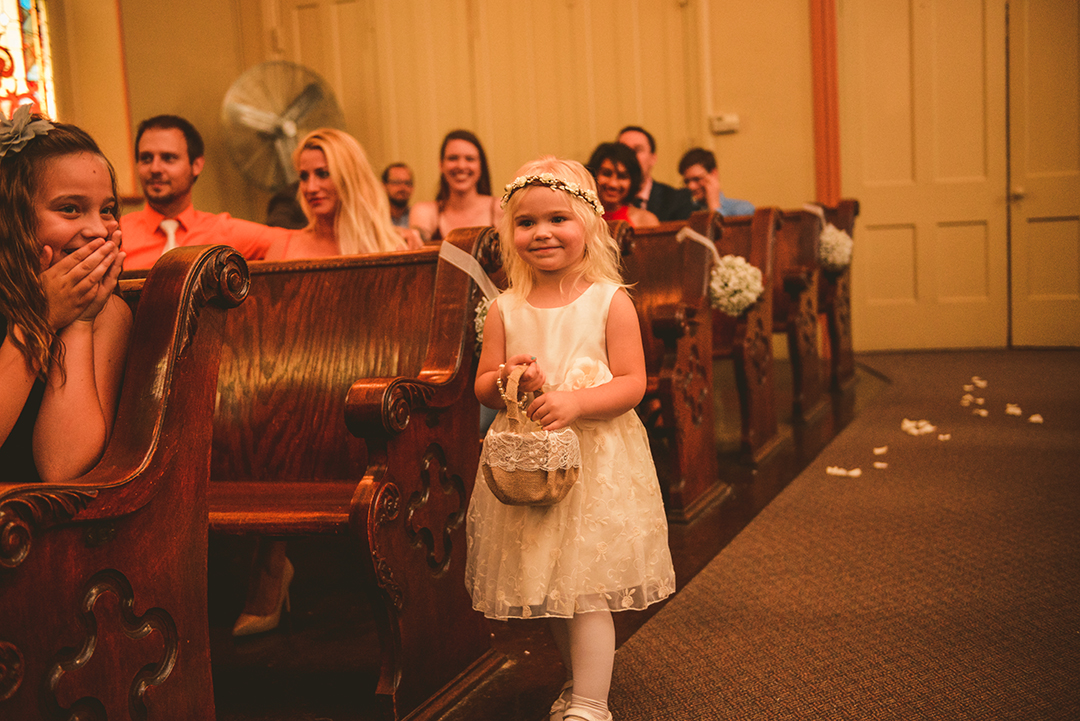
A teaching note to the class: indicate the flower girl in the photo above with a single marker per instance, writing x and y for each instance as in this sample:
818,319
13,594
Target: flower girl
567,318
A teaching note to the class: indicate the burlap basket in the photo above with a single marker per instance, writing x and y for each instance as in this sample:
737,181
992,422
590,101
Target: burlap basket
527,466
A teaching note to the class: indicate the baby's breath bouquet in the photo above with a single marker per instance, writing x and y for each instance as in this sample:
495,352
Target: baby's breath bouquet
482,309
834,249
735,285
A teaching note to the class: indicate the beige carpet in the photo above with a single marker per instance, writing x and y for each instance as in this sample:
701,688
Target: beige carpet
945,586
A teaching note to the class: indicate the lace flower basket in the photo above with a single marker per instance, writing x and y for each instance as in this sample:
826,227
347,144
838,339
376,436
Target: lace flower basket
834,249
735,285
526,466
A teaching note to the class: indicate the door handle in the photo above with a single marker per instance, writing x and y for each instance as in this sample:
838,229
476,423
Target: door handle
1018,193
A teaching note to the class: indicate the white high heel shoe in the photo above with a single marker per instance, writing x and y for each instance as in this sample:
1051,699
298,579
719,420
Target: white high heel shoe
249,624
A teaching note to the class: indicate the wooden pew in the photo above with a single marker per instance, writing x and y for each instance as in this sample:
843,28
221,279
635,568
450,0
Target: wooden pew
346,408
795,307
670,282
748,338
835,302
103,579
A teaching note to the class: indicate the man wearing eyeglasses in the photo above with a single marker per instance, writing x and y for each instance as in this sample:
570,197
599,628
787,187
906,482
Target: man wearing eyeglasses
398,181
698,169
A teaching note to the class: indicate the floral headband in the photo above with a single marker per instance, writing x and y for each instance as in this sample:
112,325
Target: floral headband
556,184
20,130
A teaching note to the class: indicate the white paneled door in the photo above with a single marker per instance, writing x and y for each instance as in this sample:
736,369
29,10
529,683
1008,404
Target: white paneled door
969,185
1044,97
922,93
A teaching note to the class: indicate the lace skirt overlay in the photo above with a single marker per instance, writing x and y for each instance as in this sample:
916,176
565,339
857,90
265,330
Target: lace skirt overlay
604,546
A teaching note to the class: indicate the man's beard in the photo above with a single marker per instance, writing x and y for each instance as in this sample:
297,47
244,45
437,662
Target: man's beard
400,203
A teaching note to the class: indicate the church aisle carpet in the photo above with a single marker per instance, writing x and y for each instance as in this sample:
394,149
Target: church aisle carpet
945,586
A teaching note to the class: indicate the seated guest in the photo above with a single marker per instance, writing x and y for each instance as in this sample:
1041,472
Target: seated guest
347,211
283,209
618,179
398,181
698,168
347,214
63,331
169,158
660,199
464,199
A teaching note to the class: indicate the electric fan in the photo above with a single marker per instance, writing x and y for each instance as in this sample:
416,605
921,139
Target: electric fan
266,112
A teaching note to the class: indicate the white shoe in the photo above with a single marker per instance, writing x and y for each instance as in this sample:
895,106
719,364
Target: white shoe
585,714
559,707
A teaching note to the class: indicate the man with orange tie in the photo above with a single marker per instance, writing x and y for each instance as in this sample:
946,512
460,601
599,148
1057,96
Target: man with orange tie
169,158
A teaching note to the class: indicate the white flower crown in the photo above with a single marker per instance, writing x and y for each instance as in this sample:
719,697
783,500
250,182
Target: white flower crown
555,183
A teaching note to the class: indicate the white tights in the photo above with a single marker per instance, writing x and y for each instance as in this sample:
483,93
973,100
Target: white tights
587,645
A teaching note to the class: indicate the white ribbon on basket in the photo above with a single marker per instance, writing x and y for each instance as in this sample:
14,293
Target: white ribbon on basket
458,258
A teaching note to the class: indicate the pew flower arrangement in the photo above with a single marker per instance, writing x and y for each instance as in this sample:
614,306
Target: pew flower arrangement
834,249
482,309
735,285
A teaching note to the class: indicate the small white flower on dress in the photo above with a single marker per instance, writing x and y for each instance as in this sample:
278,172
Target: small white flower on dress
601,551
585,372
554,595
662,588
526,611
627,599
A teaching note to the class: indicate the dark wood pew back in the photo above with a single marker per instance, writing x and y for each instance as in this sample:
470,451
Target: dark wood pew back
795,307
345,406
669,278
835,302
103,579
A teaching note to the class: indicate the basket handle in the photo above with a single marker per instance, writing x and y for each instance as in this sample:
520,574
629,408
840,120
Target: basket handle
514,411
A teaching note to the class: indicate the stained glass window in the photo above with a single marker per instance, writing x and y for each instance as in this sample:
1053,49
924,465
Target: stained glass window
25,66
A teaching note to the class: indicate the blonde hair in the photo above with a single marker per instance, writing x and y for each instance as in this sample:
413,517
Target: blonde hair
362,219
600,261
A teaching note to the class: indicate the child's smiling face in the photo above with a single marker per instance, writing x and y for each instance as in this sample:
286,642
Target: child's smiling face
547,234
74,203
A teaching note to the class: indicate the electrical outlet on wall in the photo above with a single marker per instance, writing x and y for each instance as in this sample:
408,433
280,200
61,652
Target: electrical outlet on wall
724,123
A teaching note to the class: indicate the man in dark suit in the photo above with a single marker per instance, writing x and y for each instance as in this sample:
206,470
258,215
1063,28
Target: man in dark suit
660,199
